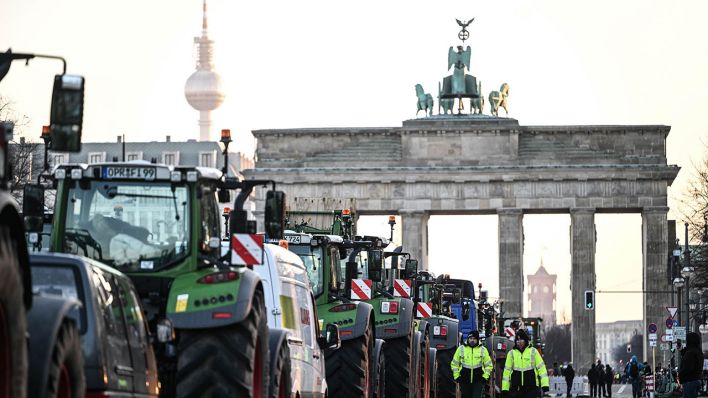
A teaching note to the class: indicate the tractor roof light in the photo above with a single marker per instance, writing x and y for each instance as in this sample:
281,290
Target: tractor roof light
227,210
391,220
60,174
76,174
175,176
192,176
225,135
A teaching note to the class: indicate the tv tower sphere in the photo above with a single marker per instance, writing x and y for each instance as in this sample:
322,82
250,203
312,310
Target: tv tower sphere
204,90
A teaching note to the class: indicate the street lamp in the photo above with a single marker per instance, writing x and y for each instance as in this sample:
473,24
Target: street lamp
679,282
688,271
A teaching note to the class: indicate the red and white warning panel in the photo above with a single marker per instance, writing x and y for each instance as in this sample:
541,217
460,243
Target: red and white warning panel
424,310
402,288
509,332
361,289
246,249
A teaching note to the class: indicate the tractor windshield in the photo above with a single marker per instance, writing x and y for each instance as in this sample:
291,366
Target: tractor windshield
134,227
312,257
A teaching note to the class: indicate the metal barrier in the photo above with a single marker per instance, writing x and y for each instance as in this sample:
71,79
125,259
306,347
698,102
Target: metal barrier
557,386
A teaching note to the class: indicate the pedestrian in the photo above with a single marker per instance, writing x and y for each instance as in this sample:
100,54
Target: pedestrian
691,367
592,380
471,366
633,372
569,376
556,370
609,378
524,370
600,379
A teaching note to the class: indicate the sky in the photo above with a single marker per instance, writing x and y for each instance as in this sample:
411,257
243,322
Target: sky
292,64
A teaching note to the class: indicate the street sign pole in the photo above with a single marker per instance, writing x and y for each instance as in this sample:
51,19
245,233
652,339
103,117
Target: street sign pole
653,369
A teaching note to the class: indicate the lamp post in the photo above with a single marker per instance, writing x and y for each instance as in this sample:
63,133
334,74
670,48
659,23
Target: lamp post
678,283
673,267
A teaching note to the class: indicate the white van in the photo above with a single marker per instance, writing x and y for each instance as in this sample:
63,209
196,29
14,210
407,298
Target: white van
294,326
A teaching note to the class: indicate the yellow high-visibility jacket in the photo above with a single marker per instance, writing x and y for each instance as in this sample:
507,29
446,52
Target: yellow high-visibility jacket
524,370
476,359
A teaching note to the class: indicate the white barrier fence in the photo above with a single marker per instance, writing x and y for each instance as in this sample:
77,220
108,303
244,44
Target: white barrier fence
557,386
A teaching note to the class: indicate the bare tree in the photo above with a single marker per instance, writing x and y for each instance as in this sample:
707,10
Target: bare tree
24,157
693,207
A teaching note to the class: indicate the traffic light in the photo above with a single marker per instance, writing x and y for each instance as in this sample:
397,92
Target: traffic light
589,300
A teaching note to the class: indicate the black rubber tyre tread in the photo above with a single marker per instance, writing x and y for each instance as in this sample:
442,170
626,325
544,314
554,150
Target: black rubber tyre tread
399,362
433,373
280,372
423,385
220,362
11,300
349,366
447,388
417,365
67,353
380,382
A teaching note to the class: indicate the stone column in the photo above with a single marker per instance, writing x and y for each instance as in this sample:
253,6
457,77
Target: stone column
582,248
511,262
415,235
654,251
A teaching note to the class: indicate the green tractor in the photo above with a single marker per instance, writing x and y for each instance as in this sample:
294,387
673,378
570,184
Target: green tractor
362,264
357,368
161,226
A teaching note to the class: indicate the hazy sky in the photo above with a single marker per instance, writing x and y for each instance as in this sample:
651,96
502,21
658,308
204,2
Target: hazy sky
290,64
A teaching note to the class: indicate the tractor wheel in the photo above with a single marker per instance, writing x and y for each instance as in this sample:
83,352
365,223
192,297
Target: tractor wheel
418,366
350,368
447,388
399,363
380,382
433,372
226,362
280,383
66,370
423,360
13,321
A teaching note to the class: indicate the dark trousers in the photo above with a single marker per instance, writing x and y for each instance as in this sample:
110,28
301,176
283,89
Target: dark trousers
593,390
601,390
636,390
690,389
471,390
608,387
570,386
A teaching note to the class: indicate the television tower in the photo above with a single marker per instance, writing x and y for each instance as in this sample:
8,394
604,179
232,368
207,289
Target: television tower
203,89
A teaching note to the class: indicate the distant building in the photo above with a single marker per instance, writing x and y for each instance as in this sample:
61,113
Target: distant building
171,153
542,296
610,335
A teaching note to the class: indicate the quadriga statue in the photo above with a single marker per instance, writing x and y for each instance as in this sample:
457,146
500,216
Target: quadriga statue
425,101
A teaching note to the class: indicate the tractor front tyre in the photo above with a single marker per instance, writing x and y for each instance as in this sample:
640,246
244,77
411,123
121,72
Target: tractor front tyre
280,383
447,388
13,321
230,361
399,361
433,372
66,369
380,382
350,368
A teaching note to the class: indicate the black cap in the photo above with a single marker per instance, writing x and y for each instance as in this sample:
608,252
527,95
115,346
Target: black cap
474,334
521,334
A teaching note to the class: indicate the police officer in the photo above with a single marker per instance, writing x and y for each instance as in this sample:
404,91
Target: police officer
524,370
471,366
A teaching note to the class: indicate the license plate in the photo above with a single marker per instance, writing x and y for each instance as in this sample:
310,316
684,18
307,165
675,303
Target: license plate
294,239
128,172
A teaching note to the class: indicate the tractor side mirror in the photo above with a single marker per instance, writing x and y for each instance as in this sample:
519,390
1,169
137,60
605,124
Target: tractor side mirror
411,268
67,113
375,258
33,207
352,270
275,214
330,339
465,311
223,195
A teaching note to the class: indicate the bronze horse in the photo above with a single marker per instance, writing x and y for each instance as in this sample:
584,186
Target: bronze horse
499,98
425,101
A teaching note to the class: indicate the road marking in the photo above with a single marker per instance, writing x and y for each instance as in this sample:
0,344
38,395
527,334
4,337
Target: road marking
621,389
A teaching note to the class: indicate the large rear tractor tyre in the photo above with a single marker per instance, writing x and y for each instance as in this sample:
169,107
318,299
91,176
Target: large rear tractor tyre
350,368
380,382
399,363
447,388
424,367
13,321
280,367
433,372
66,371
226,362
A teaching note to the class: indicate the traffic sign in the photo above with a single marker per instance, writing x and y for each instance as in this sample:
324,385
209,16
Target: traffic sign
672,311
652,328
669,323
676,322
652,340
680,333
668,337
664,346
